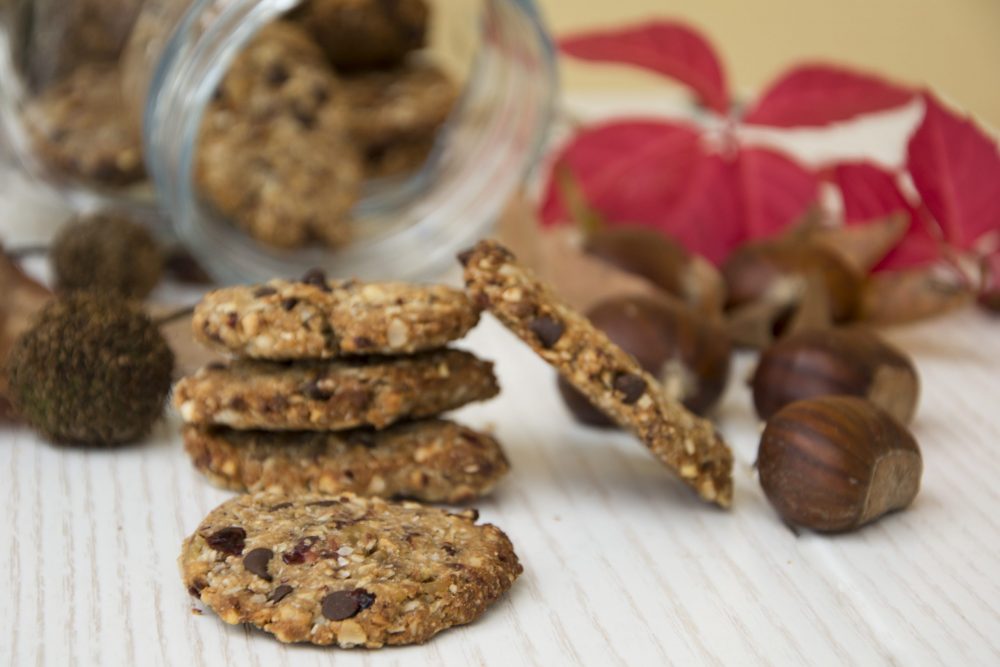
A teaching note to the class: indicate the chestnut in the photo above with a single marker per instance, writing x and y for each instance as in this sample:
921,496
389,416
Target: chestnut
688,353
854,362
662,261
755,270
836,463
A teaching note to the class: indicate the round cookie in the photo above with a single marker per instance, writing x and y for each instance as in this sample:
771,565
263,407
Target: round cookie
357,34
346,570
320,319
272,155
328,396
78,128
432,461
406,103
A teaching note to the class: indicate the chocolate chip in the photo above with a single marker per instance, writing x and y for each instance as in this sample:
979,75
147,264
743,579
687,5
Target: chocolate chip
232,320
342,605
238,403
216,366
466,256
197,587
229,540
297,555
362,342
277,74
290,303
256,562
280,593
314,392
280,506
631,386
316,278
306,119
448,549
548,330
264,291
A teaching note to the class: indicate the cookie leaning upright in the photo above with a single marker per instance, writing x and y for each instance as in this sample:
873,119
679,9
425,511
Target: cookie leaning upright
606,374
346,570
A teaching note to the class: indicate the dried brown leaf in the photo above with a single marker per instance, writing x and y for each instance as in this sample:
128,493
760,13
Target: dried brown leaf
900,297
22,298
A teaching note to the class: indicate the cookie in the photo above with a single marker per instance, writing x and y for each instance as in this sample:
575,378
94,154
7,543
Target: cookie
360,34
272,155
78,128
321,319
432,461
60,36
330,396
398,158
612,379
406,103
346,570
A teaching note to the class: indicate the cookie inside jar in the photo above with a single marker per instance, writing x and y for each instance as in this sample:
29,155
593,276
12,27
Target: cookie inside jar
66,54
334,106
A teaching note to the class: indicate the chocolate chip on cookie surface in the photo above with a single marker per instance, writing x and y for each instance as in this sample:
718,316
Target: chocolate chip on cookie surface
432,461
336,395
346,570
323,319
609,377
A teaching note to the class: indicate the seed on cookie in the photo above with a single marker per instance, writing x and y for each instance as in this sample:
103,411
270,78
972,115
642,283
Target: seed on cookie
363,572
334,395
316,318
431,461
608,376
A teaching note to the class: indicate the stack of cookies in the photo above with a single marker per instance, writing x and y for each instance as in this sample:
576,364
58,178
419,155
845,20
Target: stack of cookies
336,386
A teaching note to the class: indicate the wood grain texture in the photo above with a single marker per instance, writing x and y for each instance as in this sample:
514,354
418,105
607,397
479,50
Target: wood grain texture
622,565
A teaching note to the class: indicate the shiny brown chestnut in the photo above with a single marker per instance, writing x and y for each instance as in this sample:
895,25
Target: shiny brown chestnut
662,261
836,463
754,271
854,362
688,353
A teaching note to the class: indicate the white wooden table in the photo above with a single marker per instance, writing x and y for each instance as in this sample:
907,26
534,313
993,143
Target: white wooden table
623,565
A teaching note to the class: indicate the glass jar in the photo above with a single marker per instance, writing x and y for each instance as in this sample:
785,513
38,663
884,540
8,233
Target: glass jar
407,226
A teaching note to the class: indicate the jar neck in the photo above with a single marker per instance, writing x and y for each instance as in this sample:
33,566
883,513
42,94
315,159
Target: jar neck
493,139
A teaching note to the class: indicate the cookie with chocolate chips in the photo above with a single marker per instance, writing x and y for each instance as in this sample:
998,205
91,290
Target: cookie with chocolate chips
322,319
608,376
346,570
273,156
432,461
79,132
337,395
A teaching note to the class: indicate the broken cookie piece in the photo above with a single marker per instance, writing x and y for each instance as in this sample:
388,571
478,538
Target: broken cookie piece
609,377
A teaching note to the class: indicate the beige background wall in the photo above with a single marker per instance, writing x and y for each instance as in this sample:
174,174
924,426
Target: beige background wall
953,45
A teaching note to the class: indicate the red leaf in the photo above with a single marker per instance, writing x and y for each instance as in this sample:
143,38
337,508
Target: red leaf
817,94
956,169
659,175
668,48
776,191
629,170
869,192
